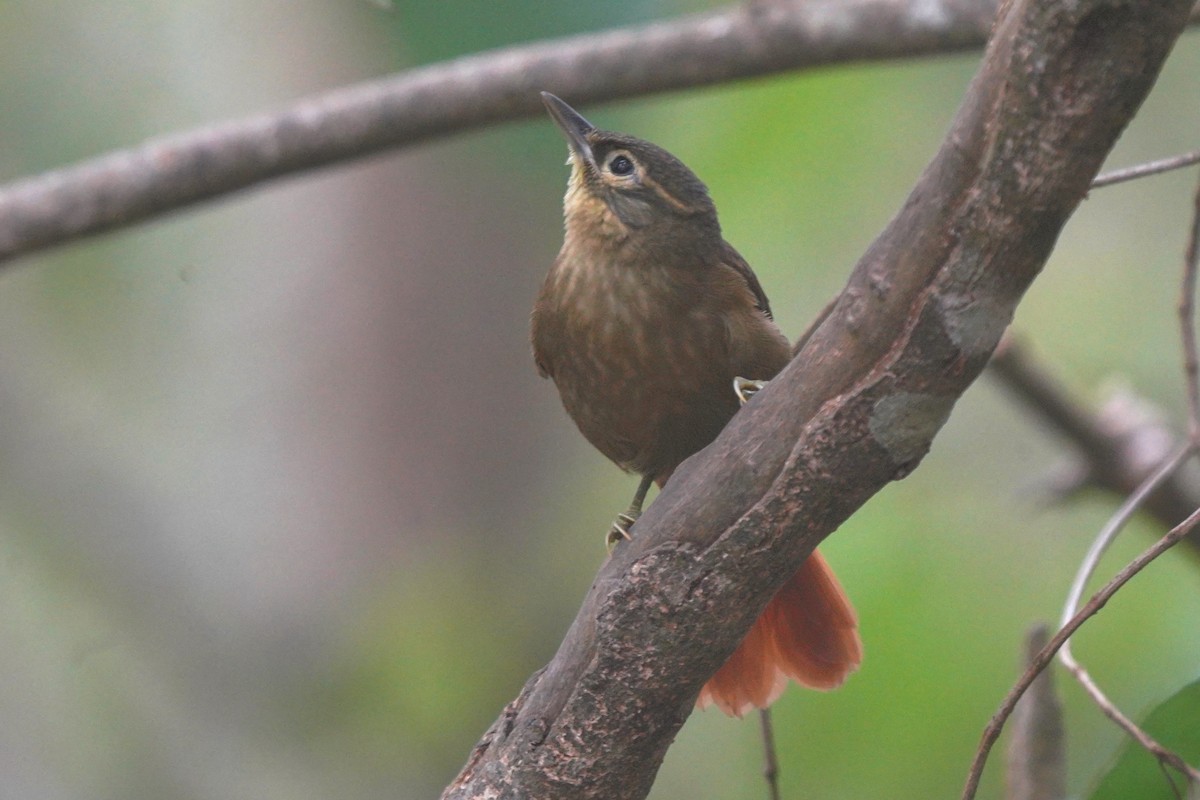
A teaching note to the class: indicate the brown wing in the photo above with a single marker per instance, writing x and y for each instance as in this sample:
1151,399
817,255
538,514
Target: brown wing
734,259
537,338
545,327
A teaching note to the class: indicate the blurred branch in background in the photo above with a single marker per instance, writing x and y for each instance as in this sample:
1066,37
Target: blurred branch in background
758,38
1118,446
1037,751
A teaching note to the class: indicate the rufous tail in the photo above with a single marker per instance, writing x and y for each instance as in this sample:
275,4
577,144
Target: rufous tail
808,632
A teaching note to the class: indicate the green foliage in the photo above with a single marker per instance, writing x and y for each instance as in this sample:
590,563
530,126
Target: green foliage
1137,775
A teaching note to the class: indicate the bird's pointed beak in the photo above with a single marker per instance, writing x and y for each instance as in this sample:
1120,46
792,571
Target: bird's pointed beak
573,126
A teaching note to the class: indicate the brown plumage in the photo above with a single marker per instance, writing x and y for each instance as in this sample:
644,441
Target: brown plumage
643,322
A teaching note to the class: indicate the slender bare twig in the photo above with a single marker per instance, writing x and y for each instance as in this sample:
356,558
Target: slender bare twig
1086,570
1149,168
992,732
1164,755
770,760
1118,521
1078,424
1191,369
1127,510
1187,321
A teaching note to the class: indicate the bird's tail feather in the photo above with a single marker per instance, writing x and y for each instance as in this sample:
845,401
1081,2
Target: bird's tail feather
808,632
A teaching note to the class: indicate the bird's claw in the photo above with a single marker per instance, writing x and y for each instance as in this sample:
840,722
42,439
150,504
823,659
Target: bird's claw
745,388
620,529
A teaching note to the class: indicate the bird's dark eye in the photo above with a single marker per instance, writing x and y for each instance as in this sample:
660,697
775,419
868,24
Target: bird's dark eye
621,165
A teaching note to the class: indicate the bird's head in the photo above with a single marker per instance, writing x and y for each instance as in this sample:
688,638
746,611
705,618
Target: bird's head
628,189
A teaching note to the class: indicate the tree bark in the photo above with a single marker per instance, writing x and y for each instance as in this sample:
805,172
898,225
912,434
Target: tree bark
857,408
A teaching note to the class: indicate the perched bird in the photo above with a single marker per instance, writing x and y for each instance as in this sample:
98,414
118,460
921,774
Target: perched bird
644,321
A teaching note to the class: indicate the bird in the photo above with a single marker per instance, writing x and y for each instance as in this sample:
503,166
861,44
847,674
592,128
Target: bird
644,322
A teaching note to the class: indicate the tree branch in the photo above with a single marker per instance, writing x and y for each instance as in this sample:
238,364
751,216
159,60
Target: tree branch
1144,170
1037,748
857,408
1039,663
757,38
1119,446
1087,568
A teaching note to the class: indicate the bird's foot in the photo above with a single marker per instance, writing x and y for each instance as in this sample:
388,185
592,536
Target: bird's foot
745,388
620,528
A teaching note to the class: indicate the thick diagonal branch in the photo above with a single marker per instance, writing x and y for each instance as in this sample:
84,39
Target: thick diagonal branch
856,409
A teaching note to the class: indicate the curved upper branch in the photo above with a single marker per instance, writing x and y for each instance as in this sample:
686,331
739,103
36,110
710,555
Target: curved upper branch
857,408
757,38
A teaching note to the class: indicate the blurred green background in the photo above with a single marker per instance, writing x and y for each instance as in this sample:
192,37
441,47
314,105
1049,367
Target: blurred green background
285,511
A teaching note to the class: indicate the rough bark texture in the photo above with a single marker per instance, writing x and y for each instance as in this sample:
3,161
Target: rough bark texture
856,409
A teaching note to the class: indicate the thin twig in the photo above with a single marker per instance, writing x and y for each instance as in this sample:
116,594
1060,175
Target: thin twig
1068,418
1086,570
1149,168
992,732
1191,368
1164,755
1187,321
1118,521
770,761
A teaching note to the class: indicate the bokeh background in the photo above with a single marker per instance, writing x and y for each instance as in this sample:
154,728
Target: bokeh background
285,511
